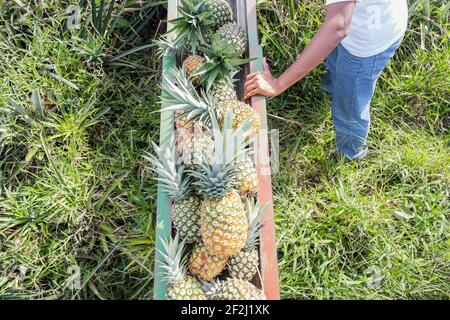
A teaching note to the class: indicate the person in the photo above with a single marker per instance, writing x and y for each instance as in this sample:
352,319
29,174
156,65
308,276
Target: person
357,39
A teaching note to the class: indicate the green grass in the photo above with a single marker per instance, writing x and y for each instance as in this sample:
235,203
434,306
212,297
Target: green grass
76,194
341,225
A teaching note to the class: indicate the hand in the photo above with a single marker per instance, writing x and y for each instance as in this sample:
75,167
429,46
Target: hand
262,83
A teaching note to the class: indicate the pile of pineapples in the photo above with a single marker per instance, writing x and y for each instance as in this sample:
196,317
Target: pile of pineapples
208,172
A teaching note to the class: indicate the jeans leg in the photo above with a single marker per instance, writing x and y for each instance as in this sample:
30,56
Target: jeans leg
356,78
328,79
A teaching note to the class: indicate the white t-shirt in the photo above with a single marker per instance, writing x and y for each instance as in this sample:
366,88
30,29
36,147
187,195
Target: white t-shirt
376,25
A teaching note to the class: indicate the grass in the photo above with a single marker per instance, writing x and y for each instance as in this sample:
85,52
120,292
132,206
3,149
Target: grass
77,200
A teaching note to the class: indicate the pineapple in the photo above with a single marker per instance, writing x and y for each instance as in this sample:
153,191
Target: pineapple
177,184
181,286
234,34
232,289
193,146
246,177
223,222
191,65
179,94
221,11
222,62
244,264
242,113
222,92
182,122
195,21
206,266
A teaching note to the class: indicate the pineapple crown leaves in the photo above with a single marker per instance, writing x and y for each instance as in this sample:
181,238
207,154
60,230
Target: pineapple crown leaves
179,94
167,46
194,21
222,62
254,212
216,176
172,175
173,262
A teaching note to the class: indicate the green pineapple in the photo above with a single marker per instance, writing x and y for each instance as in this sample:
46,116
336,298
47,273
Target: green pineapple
232,289
180,285
221,92
222,62
221,12
195,20
223,221
177,184
244,265
234,34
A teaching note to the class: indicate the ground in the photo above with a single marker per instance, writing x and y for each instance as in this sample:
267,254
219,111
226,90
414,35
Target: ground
78,110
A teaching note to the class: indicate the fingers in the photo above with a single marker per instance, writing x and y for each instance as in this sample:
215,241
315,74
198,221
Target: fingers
266,66
252,75
252,93
248,90
249,83
252,87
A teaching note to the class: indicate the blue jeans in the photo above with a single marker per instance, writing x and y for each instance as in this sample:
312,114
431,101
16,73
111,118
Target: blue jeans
351,81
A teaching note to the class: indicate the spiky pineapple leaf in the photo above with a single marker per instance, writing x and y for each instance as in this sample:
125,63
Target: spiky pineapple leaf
172,175
216,176
222,62
173,259
254,212
194,22
179,94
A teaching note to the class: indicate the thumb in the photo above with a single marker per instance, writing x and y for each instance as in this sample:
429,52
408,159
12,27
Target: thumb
266,66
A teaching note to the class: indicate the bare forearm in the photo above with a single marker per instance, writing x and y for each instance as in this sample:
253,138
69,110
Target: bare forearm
330,34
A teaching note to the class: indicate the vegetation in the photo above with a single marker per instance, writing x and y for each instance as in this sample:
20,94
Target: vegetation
78,111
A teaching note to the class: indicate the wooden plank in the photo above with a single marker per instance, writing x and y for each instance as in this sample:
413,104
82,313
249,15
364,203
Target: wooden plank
269,263
163,220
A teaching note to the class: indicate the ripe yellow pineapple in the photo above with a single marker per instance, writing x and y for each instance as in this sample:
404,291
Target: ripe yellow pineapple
242,113
244,265
223,225
181,121
192,64
246,176
205,265
223,221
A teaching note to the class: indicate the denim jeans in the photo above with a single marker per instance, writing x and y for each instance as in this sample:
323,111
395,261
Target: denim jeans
351,81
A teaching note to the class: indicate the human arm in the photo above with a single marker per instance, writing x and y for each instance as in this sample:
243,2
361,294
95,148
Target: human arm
334,28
